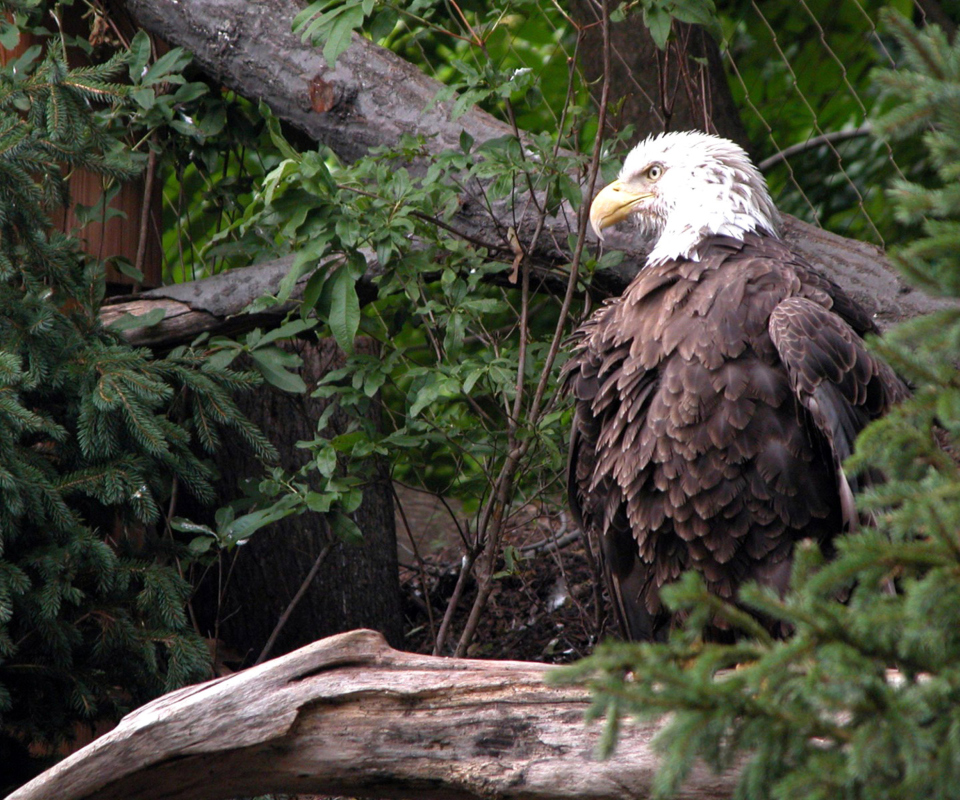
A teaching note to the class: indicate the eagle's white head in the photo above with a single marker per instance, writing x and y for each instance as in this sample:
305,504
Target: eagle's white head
681,188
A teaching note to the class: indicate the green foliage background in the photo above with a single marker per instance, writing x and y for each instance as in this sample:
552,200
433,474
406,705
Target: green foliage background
514,60
94,435
464,370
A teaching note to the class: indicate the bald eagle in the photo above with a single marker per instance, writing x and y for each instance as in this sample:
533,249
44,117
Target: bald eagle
717,398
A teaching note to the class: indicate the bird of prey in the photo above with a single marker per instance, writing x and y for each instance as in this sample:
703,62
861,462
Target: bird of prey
717,398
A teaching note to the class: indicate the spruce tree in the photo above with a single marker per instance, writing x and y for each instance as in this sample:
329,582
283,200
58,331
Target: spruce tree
93,433
863,701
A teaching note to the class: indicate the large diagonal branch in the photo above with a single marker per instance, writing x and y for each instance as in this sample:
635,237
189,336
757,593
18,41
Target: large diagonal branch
349,716
372,97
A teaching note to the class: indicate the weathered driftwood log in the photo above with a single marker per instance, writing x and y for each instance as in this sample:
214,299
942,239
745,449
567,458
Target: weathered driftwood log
349,716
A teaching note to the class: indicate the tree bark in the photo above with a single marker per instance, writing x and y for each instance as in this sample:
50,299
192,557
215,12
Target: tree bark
211,305
349,716
370,98
355,585
681,88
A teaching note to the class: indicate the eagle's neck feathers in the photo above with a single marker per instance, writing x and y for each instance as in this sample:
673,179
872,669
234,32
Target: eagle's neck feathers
712,216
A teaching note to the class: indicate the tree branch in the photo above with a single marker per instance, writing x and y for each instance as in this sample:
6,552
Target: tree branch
369,99
215,305
349,716
372,97
831,137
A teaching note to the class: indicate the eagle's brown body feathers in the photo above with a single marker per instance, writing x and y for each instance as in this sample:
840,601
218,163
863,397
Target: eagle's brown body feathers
715,402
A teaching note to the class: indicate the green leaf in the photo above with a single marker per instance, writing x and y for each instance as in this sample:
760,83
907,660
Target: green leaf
139,55
310,11
472,377
276,135
696,12
243,527
326,461
9,35
658,22
311,292
190,91
435,387
146,98
571,191
351,500
320,502
372,382
167,68
382,25
345,528
287,331
200,545
340,307
340,33
124,267
184,525
224,516
305,262
269,362
511,559
345,442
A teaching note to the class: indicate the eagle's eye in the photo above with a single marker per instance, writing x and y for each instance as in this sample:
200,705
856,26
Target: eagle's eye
654,171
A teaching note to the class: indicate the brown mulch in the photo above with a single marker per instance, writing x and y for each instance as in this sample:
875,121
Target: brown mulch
544,609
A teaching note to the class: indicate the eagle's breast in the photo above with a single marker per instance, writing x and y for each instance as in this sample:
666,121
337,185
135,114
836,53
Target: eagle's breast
700,439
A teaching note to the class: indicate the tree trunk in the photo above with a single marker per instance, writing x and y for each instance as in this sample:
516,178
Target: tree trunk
349,716
681,88
356,586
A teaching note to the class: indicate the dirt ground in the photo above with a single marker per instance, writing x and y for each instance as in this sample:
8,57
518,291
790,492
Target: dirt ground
542,608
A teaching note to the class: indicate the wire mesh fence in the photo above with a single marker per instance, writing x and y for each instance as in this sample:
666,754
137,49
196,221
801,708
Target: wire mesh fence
811,107
800,74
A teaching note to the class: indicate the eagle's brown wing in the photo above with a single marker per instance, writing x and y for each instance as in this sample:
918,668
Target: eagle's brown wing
596,498
715,403
835,378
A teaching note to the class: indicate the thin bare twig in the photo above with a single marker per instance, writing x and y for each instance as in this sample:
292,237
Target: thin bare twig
145,208
421,572
295,601
466,567
498,504
813,142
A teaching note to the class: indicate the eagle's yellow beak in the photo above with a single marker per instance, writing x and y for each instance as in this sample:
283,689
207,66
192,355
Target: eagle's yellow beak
614,204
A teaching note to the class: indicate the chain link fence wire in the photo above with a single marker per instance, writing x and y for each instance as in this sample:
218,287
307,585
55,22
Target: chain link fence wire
802,76
799,71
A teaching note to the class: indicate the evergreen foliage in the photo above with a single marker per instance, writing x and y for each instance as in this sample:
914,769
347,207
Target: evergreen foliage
864,700
93,434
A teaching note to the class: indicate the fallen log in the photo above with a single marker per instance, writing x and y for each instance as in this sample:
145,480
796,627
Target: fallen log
350,716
